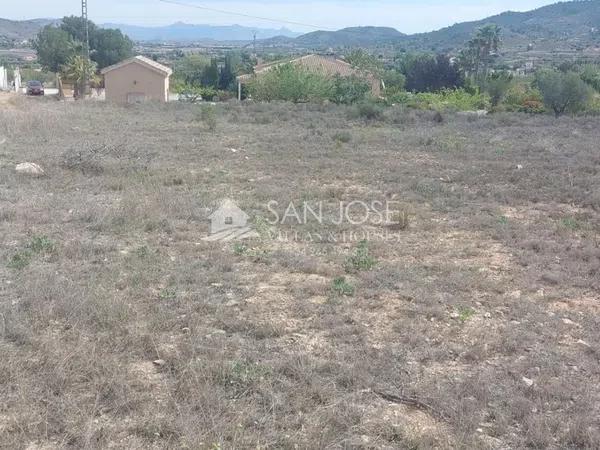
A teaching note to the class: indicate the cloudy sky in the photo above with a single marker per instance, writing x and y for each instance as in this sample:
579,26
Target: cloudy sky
408,16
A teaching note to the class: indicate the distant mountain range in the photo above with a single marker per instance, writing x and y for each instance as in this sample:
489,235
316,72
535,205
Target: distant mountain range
576,24
12,30
569,25
355,36
182,32
20,30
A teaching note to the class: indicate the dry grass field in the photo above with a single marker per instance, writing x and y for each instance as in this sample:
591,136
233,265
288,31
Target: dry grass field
477,325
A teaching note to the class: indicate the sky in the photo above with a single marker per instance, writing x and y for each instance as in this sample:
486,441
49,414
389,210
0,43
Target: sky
408,16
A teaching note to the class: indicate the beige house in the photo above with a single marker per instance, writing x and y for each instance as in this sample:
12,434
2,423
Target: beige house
326,65
137,80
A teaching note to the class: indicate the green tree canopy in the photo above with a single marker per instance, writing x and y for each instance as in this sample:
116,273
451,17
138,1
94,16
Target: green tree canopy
481,51
190,68
110,46
563,92
210,75
75,26
497,85
291,83
54,47
364,61
429,73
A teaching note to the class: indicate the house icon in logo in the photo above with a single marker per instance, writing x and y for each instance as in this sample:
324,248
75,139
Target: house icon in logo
229,222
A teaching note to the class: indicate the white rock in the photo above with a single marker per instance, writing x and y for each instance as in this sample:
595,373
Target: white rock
2,140
585,344
159,362
528,381
29,169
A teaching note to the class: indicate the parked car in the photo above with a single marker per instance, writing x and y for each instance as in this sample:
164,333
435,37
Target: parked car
35,88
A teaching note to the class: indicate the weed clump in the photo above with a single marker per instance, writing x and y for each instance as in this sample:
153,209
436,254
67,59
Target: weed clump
361,259
342,287
369,111
38,245
208,116
343,137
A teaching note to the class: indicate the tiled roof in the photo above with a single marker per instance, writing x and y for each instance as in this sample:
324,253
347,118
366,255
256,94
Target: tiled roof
146,62
324,64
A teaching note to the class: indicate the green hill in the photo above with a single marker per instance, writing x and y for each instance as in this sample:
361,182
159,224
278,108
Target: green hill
570,26
20,30
563,25
356,36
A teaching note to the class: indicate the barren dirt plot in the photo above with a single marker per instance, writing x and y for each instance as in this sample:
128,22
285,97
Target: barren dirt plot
476,326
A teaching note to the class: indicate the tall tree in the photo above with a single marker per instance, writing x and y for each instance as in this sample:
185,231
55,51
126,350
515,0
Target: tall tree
563,92
75,26
109,47
54,47
480,52
228,72
210,76
429,73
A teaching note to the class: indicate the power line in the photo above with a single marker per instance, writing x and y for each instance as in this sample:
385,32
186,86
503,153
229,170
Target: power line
231,13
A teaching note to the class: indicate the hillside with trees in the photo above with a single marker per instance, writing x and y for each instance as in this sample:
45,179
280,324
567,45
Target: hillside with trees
569,25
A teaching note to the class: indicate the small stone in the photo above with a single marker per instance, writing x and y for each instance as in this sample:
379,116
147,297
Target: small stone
515,294
585,344
28,168
185,330
528,381
159,362
568,321
487,315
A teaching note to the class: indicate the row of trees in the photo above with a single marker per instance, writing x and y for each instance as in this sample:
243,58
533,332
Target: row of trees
566,89
200,76
57,46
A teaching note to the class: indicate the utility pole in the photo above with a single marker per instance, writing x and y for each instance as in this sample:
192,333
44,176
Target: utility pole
86,49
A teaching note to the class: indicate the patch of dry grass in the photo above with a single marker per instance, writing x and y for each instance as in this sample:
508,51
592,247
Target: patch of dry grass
120,326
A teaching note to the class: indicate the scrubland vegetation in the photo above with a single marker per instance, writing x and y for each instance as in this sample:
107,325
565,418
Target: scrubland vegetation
475,326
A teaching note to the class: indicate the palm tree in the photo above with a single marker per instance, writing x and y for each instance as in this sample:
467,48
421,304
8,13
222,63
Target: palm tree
481,50
77,70
488,39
